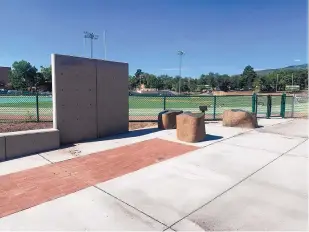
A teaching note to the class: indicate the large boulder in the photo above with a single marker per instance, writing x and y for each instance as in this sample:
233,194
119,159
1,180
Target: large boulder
167,119
191,127
239,118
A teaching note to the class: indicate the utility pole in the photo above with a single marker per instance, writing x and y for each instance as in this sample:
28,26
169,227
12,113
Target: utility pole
180,53
91,36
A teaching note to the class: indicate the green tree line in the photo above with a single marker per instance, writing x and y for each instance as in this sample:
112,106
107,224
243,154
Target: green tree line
248,80
24,76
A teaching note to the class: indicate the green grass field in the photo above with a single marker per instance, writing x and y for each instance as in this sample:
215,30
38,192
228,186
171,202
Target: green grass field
151,106
148,102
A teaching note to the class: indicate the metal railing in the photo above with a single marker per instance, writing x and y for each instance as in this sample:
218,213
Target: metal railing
36,107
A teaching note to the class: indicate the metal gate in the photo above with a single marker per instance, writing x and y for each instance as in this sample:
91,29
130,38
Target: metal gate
270,105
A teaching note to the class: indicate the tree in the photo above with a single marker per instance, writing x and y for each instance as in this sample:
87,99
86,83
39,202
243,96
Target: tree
133,82
150,80
138,74
257,84
223,82
249,75
234,82
167,82
23,75
46,73
160,84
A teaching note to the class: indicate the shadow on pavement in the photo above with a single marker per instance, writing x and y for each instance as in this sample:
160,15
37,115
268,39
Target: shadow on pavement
210,137
134,133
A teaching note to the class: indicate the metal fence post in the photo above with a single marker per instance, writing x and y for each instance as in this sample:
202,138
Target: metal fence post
268,113
164,103
215,105
37,106
293,105
254,103
282,110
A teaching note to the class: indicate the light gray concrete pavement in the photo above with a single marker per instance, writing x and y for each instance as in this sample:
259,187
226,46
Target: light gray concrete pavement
274,199
173,189
301,150
21,164
297,128
265,141
240,180
85,210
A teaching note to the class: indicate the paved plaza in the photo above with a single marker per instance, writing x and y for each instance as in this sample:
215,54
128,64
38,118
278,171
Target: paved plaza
236,179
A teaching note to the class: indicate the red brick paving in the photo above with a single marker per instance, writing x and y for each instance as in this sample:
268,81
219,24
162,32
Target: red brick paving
25,189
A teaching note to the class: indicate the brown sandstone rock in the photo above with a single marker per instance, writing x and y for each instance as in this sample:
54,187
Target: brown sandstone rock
167,119
190,127
239,118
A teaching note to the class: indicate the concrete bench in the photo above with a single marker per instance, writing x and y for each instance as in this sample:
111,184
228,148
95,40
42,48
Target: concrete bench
22,143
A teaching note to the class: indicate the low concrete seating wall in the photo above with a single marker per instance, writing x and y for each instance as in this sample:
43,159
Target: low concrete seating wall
167,119
191,127
22,143
239,118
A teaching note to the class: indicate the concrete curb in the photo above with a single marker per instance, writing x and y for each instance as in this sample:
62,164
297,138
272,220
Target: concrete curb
22,143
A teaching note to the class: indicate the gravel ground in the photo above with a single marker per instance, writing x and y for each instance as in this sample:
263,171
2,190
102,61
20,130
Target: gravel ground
20,126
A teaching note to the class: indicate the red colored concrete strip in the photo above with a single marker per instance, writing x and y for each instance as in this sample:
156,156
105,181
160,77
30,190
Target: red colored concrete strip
25,189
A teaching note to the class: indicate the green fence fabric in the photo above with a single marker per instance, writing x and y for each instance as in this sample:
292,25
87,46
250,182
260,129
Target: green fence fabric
36,107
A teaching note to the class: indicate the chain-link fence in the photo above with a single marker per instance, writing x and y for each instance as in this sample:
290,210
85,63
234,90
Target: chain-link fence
143,108
36,107
299,106
28,107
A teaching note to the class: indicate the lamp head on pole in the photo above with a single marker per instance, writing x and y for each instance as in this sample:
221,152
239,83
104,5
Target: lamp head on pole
90,35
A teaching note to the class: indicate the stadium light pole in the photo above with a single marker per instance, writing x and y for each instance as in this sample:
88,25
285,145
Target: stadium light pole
91,36
180,53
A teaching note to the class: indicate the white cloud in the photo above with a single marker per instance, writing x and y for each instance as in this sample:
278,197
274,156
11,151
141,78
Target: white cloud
296,60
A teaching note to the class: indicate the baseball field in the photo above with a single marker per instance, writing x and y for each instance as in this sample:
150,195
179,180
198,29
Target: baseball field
147,108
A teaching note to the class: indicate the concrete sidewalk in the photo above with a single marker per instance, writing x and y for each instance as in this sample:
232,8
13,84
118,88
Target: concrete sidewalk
237,179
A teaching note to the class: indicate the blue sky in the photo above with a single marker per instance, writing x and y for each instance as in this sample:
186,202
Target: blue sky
217,35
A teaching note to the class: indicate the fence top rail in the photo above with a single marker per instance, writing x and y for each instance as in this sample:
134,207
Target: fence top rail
195,96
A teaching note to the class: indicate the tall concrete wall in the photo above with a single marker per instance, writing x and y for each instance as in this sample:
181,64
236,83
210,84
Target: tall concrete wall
112,98
74,93
4,75
90,98
2,149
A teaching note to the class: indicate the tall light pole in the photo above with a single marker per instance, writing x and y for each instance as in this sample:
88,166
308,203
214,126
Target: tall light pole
91,36
180,53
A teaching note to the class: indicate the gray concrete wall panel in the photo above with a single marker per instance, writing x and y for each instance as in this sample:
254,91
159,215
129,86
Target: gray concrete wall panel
2,149
112,98
74,93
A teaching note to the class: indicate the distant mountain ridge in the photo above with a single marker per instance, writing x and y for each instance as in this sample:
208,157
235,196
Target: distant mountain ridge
292,67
